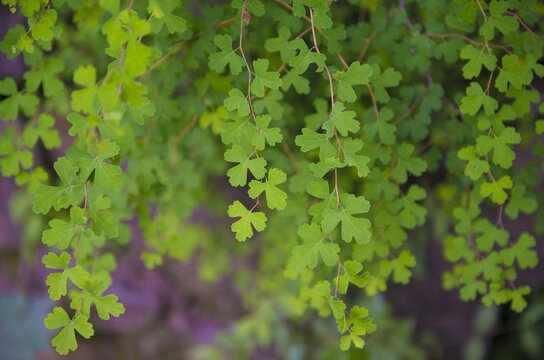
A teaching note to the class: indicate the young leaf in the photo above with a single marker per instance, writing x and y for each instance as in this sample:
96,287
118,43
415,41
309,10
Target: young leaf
62,196
242,227
475,166
305,57
227,55
44,131
522,252
343,121
351,275
475,61
238,174
105,175
380,126
275,197
265,134
356,74
350,148
497,189
310,140
105,305
498,19
66,339
315,244
502,154
352,227
237,101
475,99
263,78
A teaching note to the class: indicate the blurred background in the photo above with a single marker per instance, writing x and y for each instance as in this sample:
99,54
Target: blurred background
181,310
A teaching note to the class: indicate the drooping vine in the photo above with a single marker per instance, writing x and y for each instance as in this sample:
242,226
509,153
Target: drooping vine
358,131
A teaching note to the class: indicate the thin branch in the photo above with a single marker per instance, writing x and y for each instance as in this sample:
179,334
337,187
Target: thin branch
476,43
522,23
83,214
374,104
244,17
182,42
367,44
412,107
291,156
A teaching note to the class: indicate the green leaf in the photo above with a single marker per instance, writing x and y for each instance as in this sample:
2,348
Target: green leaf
456,248
42,29
80,124
85,76
137,58
539,127
66,339
400,265
54,261
522,252
263,78
315,120
465,217
275,197
227,55
62,196
305,57
175,23
281,45
61,232
45,74
496,189
13,160
351,275
475,99
237,101
105,175
356,74
518,302
310,140
238,174
475,166
475,61
57,281
101,218
504,23
271,104
238,131
105,305
502,154
490,235
350,148
360,325
82,100
380,126
405,163
242,227
44,131
299,83
315,244
325,165
9,107
265,134
513,71
346,340
519,202
382,81
343,121
352,227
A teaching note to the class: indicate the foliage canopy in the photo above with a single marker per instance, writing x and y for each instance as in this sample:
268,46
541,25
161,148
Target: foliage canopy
347,125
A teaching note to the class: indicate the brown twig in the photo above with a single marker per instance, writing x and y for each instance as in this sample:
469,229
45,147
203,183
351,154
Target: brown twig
476,43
